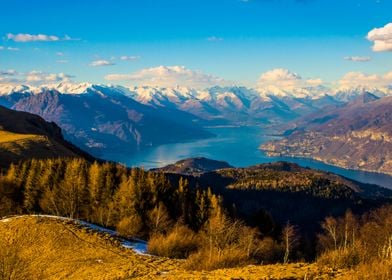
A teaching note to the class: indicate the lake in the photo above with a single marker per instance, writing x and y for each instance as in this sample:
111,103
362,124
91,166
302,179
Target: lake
237,146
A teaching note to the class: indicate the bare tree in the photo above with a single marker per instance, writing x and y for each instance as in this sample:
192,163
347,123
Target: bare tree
330,225
290,240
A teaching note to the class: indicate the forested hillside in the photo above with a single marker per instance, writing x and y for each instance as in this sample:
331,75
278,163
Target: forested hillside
230,214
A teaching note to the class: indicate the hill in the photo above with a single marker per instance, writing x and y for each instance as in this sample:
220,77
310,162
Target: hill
269,195
51,248
25,136
193,166
356,136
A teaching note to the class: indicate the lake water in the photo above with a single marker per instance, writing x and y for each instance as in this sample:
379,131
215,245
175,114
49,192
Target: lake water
239,147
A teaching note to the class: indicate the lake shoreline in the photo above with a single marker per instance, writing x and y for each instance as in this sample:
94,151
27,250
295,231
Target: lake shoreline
239,146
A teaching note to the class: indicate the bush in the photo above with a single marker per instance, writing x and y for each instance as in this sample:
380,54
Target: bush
268,251
376,270
341,258
130,226
206,259
179,243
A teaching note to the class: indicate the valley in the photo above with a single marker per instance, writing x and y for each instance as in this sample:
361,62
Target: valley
234,140
224,123
238,146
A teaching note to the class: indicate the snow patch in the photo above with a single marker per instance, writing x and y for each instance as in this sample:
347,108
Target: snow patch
137,245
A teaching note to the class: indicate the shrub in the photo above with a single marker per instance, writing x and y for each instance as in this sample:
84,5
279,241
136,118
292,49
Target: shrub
370,271
268,251
206,259
130,226
341,258
179,243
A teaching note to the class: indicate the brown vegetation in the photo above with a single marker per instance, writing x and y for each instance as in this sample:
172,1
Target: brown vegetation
363,244
56,249
180,221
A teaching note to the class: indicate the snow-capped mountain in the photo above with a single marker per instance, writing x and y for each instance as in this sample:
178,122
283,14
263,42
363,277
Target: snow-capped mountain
220,105
237,104
349,94
7,89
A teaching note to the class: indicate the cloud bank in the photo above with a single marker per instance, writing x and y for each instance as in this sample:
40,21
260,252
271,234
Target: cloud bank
169,76
359,79
34,77
381,38
285,80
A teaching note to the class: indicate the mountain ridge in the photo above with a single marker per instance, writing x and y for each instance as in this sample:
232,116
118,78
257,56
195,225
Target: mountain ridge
357,136
106,119
24,135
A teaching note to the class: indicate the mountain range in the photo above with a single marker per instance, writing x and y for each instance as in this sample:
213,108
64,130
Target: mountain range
220,105
117,119
103,118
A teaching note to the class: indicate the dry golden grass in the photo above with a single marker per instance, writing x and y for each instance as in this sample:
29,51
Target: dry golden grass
6,136
381,270
53,249
15,147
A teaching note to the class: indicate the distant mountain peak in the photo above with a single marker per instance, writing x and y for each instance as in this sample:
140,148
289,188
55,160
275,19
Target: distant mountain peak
364,98
369,97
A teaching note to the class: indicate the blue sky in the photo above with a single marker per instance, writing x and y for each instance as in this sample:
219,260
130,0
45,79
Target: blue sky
231,39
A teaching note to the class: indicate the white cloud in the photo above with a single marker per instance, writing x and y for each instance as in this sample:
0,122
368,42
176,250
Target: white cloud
359,79
33,77
13,49
101,62
8,76
2,48
24,37
63,61
9,72
357,58
169,76
314,82
129,57
42,77
382,38
60,54
214,39
285,80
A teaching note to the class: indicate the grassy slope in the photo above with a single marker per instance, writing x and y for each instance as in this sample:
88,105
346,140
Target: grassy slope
25,136
6,137
15,147
55,249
